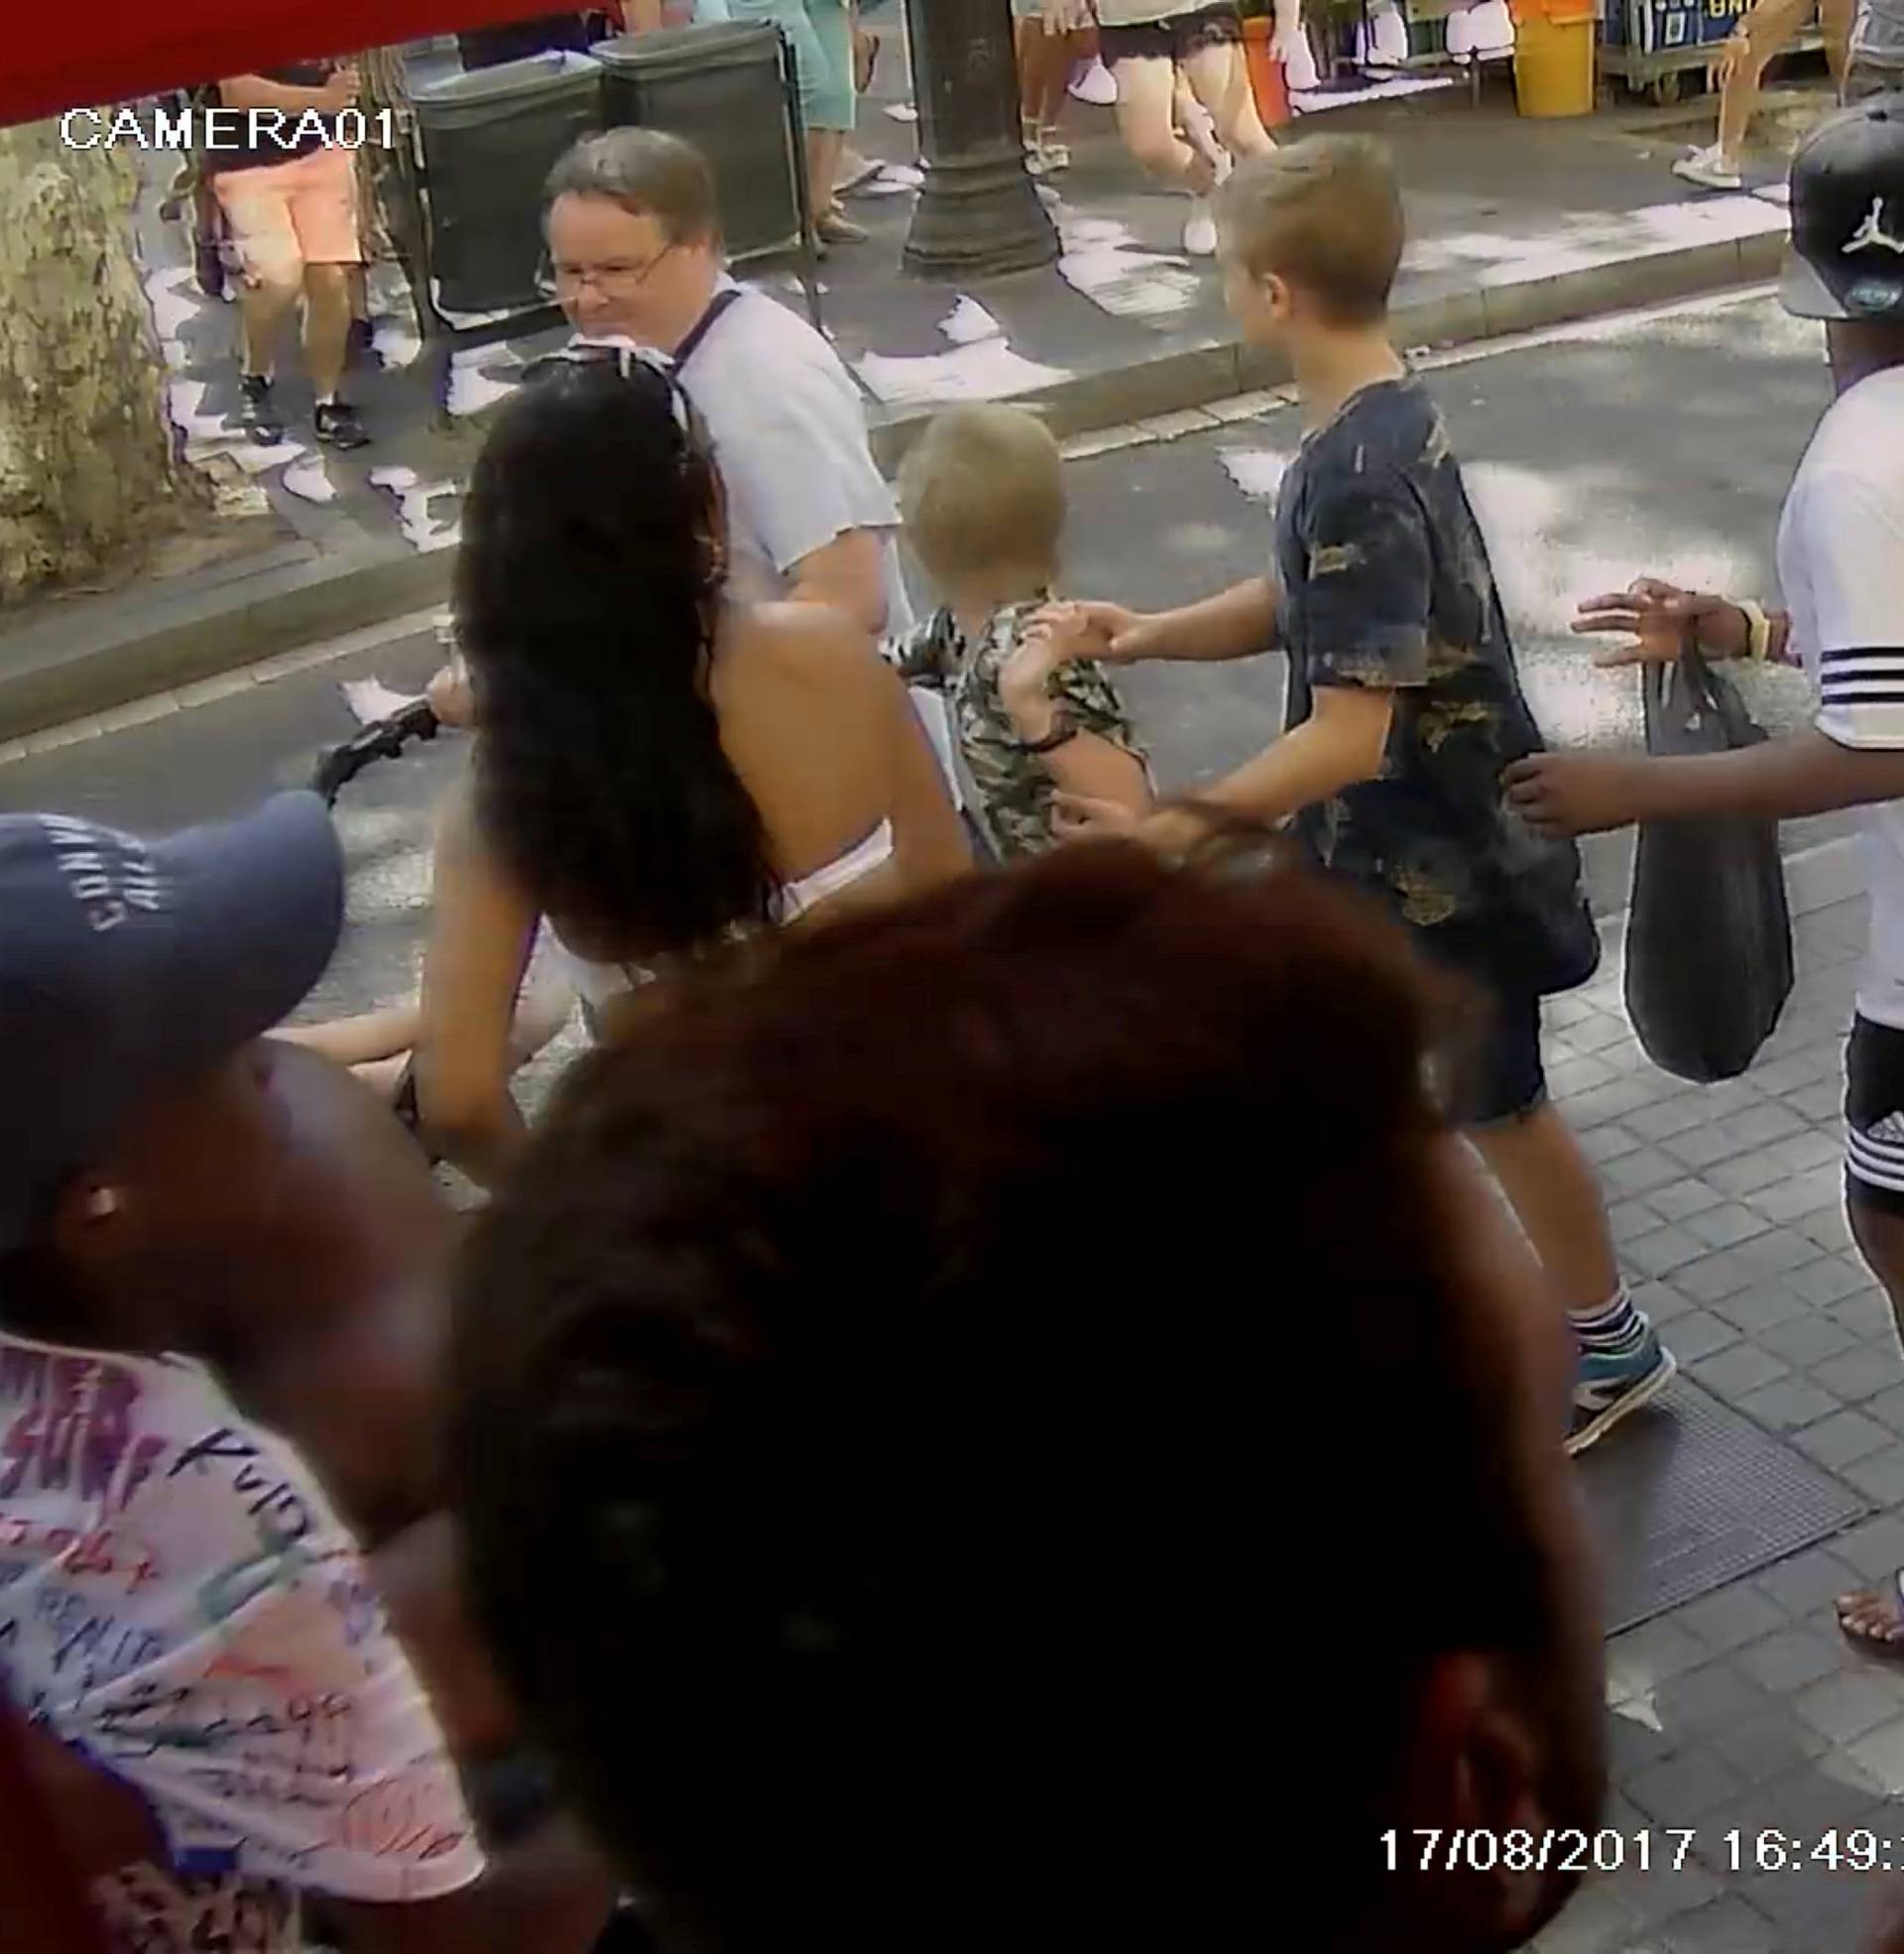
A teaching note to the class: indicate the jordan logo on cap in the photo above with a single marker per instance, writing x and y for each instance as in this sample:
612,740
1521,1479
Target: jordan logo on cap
1871,235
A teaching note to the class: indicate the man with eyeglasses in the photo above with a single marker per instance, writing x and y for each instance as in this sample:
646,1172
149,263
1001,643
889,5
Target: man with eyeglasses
635,242
634,239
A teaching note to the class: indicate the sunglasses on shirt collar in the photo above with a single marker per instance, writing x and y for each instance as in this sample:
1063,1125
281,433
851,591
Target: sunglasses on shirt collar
625,357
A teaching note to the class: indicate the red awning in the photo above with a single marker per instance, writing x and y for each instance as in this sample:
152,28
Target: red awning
115,51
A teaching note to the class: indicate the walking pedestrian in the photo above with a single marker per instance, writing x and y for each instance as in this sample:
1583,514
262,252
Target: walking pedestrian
1144,43
1049,38
983,491
1760,37
662,767
291,208
820,34
1404,706
1841,566
634,239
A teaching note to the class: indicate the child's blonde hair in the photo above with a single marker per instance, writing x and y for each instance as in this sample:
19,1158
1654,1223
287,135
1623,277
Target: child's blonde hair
982,489
1323,214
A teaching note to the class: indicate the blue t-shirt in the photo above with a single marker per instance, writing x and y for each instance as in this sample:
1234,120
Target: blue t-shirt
1385,583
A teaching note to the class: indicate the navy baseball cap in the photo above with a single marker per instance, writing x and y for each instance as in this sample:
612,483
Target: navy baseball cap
128,967
1846,260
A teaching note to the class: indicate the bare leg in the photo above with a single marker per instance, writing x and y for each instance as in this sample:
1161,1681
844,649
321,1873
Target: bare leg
388,1033
1835,19
1875,1616
1147,90
1551,1185
376,1045
1027,40
823,147
327,292
1219,77
264,302
1048,60
1766,33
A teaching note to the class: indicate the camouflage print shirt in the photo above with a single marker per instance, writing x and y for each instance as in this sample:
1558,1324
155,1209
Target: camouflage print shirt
1007,791
1386,582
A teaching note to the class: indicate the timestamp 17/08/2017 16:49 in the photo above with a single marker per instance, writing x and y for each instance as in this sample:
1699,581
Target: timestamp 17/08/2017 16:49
1671,1849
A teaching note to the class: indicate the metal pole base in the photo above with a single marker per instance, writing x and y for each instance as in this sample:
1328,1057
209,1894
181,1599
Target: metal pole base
979,218
978,215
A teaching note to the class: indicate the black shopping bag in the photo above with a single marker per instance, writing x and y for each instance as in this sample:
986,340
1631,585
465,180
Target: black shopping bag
1709,940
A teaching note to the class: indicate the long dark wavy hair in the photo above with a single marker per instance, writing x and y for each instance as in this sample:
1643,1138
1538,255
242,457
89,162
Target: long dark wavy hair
588,590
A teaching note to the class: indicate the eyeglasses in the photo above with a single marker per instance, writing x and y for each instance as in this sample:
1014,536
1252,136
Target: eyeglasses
610,278
625,357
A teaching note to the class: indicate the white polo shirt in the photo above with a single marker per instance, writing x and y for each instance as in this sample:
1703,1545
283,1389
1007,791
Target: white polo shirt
1841,566
788,431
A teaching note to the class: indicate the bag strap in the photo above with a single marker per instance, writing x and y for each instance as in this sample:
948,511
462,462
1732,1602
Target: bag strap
723,303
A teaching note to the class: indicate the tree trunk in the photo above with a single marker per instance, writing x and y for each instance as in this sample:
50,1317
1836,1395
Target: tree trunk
88,471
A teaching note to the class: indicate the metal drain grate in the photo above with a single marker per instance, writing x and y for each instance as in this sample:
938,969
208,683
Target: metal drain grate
1687,1495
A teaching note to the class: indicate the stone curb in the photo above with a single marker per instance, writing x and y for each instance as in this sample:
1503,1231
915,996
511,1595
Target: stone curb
181,638
197,634
1190,377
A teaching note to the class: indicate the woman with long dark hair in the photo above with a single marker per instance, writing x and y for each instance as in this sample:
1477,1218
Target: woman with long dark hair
658,772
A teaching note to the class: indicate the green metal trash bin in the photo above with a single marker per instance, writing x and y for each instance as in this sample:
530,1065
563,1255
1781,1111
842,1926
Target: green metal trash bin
724,89
488,140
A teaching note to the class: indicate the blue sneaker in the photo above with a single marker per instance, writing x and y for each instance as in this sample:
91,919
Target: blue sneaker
1610,1384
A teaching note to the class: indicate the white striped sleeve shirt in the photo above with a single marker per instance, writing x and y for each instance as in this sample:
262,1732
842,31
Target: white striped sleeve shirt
1841,565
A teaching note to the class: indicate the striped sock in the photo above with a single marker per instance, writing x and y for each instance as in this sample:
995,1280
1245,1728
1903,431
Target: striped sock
1611,1328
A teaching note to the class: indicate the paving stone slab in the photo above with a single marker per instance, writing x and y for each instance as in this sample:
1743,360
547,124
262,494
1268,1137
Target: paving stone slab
1695,1496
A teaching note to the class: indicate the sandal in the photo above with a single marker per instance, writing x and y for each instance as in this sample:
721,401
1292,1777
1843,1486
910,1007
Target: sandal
1874,1619
834,226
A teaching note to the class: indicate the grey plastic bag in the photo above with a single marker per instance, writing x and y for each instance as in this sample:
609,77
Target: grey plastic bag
1709,939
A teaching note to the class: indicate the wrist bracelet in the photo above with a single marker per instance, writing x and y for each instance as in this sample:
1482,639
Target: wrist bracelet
1055,737
1758,629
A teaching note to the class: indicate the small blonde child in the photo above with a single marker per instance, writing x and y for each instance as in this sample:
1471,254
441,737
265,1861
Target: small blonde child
981,494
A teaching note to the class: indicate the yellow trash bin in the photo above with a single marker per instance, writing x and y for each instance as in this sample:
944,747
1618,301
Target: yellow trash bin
1554,57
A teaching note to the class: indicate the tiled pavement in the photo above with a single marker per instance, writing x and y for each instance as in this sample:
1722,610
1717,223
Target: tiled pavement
1745,1710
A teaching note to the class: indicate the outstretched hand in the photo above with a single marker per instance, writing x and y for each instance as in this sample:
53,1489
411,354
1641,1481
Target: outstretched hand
1660,622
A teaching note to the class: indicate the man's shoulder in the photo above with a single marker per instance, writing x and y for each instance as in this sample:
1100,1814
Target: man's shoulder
1858,449
760,319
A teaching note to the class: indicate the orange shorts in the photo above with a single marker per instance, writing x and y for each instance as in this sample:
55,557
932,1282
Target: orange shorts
287,215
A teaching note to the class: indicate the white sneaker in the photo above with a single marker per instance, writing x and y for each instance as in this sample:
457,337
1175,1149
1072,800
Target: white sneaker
1096,85
1200,230
1709,169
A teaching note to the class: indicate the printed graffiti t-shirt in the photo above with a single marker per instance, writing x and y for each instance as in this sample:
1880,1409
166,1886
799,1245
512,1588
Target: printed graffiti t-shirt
179,1604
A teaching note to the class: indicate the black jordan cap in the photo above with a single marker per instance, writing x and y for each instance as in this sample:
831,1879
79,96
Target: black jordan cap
1846,260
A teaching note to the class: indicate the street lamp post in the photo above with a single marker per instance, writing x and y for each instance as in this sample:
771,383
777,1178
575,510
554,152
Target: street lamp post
978,213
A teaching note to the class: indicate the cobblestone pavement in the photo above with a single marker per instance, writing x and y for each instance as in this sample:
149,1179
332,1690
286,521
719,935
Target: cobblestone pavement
1745,1710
